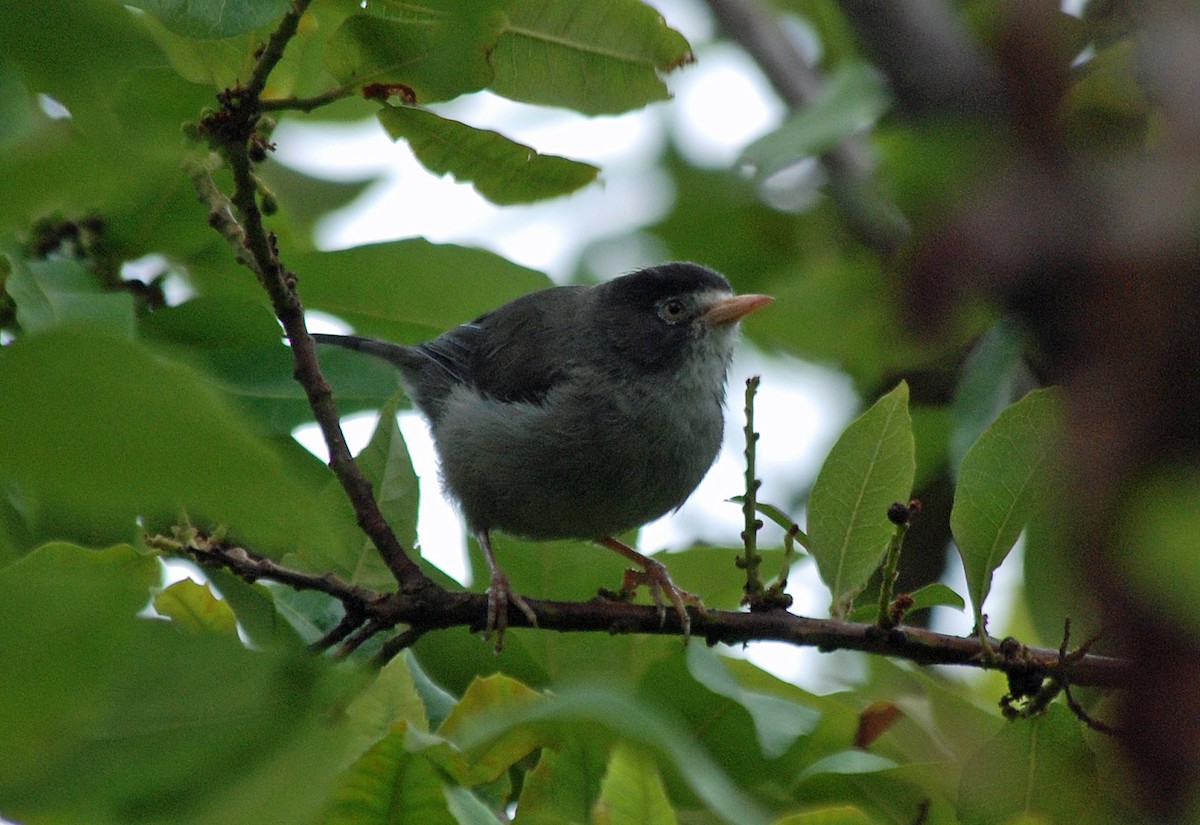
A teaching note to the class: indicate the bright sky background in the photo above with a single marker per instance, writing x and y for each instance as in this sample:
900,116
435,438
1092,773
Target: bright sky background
719,105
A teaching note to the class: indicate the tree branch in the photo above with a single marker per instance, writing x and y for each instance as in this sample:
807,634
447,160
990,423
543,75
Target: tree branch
435,609
927,54
232,131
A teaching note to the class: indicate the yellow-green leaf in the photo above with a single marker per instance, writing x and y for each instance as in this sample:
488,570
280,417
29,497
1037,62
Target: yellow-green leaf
194,607
632,792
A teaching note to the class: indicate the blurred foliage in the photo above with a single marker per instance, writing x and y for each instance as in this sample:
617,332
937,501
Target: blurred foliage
133,402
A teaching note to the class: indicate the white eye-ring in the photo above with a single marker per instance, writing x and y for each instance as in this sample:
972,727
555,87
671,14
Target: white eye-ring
672,310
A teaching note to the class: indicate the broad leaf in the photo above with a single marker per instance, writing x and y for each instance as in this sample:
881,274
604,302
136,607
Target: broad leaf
851,102
194,607
563,785
412,289
777,721
125,719
390,783
1032,766
17,112
869,468
931,595
391,698
595,58
386,464
1003,483
632,792
432,54
213,19
62,292
606,713
492,695
502,170
985,388
98,432
839,815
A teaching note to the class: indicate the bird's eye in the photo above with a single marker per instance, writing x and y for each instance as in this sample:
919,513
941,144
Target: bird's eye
671,310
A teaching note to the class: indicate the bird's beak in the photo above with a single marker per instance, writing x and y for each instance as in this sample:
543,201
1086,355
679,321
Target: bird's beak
734,308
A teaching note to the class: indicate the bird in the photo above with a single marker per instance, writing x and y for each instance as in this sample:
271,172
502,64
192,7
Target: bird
578,412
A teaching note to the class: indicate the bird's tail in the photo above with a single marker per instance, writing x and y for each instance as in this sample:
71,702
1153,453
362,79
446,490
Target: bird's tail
398,354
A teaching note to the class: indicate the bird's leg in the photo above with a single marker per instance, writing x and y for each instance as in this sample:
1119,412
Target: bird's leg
500,595
655,576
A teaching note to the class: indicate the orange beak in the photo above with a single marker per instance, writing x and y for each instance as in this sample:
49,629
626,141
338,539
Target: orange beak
734,308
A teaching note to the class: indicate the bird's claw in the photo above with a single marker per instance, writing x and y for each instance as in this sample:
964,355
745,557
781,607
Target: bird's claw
500,595
658,581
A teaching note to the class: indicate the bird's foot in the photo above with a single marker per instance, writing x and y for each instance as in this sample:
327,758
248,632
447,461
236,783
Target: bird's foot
658,581
500,595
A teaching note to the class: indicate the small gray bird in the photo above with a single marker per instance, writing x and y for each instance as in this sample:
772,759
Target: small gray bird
578,412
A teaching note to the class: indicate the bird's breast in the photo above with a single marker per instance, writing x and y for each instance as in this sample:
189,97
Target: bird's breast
594,458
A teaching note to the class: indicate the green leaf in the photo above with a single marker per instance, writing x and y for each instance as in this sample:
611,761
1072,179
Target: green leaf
931,595
852,101
62,292
1158,519
386,464
775,514
237,342
1038,766
989,377
564,784
1003,482
80,58
98,432
936,595
632,792
486,697
595,58
390,783
256,610
778,722
836,815
194,607
17,112
436,53
712,572
410,290
391,698
600,712
469,809
869,468
212,19
848,762
126,719
503,171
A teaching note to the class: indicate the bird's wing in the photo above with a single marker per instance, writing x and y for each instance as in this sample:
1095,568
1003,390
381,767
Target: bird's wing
518,352
454,351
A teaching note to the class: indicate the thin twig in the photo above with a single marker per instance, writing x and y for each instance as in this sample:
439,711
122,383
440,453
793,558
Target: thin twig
397,643
1064,657
349,623
233,132
751,560
304,104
